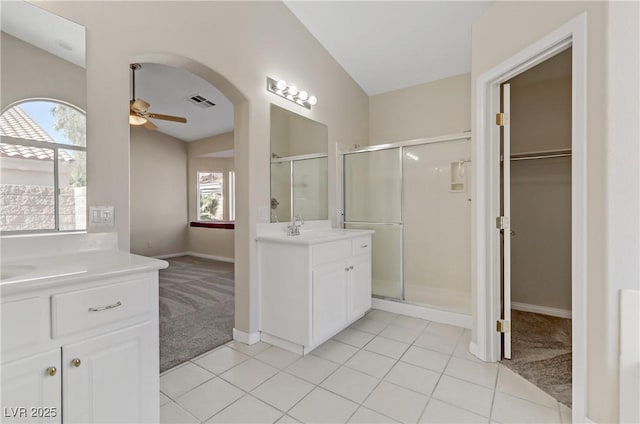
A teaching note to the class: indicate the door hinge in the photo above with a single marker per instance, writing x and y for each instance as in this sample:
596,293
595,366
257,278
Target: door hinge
502,222
503,326
502,119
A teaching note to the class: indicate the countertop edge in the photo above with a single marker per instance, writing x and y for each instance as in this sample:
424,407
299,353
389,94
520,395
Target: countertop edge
280,239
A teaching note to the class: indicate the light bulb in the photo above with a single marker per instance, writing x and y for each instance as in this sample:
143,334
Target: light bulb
281,85
293,90
313,100
136,120
303,95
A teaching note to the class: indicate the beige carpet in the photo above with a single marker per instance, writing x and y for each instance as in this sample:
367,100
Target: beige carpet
541,352
196,308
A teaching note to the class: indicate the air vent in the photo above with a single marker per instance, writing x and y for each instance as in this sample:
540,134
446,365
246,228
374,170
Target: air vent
200,101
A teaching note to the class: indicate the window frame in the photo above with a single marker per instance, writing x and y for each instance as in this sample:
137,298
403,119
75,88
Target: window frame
198,195
56,147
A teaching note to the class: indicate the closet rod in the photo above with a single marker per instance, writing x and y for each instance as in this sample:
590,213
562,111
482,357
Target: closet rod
541,155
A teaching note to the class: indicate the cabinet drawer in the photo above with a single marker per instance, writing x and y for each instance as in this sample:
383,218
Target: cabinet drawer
85,309
329,252
361,245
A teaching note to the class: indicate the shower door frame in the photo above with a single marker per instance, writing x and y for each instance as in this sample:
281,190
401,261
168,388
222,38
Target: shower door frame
397,145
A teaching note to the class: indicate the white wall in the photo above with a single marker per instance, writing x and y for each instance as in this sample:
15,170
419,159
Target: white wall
158,193
513,26
431,109
234,45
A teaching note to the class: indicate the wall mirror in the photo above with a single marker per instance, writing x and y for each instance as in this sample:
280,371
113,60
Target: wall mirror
43,121
299,177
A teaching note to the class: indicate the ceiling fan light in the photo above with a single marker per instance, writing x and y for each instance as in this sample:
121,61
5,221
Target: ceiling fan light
136,120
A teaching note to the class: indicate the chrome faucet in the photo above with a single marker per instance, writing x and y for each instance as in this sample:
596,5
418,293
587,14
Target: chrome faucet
293,228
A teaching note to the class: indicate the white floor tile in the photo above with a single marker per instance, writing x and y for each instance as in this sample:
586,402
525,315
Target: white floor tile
367,416
247,410
182,379
412,377
396,402
512,384
173,414
249,374
368,325
465,395
371,363
411,323
164,399
352,384
565,413
401,334
434,342
483,374
220,360
335,351
354,337
285,419
277,357
441,412
321,406
210,398
382,316
250,350
387,347
445,330
283,390
426,358
510,409
312,368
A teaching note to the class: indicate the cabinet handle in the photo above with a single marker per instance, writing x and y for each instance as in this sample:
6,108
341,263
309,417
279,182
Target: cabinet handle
52,371
76,362
364,245
104,308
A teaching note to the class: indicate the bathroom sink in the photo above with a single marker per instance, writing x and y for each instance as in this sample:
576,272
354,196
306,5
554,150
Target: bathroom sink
313,236
12,271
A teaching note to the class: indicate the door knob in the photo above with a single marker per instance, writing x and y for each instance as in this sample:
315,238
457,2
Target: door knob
52,371
76,362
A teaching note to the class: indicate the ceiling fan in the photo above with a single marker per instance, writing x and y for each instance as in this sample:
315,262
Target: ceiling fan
139,109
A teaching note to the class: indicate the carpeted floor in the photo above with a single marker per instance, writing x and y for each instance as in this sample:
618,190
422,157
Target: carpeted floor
541,352
196,308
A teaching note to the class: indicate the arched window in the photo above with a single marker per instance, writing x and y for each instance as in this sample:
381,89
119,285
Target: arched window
43,167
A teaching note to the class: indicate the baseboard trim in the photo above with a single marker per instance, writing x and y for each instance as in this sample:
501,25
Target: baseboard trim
543,310
246,338
197,255
424,312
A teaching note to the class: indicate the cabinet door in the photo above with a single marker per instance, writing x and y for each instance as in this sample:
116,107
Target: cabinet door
359,286
30,394
329,299
115,380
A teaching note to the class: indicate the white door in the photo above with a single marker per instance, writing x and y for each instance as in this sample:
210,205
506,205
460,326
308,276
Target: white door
32,389
359,286
329,299
506,222
109,379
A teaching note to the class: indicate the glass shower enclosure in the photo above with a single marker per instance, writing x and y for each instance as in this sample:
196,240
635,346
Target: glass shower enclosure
416,197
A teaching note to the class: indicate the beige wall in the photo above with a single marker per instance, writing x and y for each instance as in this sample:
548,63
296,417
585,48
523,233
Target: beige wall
28,72
431,109
513,26
158,193
234,45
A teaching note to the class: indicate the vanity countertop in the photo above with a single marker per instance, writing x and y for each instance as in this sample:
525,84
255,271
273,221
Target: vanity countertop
18,275
314,236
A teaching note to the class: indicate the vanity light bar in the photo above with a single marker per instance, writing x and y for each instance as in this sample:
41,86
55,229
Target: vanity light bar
291,93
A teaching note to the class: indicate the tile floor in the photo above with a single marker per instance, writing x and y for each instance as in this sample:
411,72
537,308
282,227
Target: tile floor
385,368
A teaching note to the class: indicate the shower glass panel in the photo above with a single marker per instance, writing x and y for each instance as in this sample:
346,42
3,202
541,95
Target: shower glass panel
373,193
280,191
437,217
310,188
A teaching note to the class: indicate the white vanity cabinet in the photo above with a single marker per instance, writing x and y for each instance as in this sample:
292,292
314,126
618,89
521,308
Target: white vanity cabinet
82,350
313,286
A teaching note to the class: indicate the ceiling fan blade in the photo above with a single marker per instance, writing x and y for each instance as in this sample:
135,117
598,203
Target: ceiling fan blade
166,117
150,125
